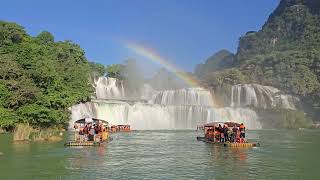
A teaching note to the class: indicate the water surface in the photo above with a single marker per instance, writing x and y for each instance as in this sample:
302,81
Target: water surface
166,155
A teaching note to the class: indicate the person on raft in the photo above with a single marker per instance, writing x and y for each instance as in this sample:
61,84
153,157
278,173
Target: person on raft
234,134
242,130
225,133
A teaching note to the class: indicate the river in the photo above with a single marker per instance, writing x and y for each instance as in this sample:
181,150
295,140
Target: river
166,155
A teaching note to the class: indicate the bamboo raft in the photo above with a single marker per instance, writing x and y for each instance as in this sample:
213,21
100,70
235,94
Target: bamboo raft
242,145
86,143
228,144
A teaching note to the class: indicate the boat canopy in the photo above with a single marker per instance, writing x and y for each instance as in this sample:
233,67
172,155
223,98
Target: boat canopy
229,124
123,125
91,120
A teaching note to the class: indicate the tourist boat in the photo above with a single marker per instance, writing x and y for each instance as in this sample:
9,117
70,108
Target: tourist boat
82,140
210,135
120,128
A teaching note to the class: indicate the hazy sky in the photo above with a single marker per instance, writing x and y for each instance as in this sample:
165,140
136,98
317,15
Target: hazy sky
184,31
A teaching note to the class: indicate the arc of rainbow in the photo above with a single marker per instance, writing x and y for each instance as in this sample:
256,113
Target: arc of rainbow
156,58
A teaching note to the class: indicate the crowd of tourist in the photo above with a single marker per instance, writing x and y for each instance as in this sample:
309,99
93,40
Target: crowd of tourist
226,134
91,132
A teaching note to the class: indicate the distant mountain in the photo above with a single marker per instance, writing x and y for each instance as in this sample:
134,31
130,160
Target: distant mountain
220,60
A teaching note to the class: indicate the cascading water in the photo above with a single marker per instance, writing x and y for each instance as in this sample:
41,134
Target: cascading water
265,97
169,109
109,88
188,96
154,116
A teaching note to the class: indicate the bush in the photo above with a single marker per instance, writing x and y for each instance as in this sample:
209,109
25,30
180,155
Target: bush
8,118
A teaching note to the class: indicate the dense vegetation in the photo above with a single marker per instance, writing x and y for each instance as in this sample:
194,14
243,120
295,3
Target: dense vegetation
285,54
115,71
40,78
286,51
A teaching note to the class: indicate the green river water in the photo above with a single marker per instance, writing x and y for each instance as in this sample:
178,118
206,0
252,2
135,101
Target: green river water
166,155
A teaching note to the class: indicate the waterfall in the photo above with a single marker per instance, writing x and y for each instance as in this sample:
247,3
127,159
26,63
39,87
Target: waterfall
109,88
265,97
155,116
188,96
168,109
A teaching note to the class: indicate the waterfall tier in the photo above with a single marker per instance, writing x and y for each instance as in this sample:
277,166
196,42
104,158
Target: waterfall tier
109,88
154,116
255,95
189,96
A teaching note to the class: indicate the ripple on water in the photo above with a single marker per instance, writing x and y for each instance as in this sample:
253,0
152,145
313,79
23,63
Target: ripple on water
168,155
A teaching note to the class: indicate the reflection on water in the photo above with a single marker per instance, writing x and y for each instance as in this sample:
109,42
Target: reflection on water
223,154
166,155
21,147
82,157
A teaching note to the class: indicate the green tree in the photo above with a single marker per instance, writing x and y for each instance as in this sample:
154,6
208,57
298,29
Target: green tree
39,78
97,69
45,37
115,71
8,118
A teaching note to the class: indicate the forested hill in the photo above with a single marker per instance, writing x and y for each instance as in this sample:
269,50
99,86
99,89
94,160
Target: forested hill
285,53
220,60
40,78
294,25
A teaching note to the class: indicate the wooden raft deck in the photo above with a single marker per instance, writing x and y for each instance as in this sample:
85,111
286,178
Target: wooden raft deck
228,144
86,143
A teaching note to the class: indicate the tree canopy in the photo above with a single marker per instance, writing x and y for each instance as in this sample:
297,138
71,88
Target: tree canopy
40,78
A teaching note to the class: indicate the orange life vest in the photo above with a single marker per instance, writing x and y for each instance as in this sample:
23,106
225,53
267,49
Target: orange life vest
242,128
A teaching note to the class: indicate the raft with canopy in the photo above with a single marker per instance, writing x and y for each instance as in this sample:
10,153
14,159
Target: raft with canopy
120,128
89,121
210,134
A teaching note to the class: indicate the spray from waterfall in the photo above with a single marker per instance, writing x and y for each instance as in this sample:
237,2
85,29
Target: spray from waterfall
155,57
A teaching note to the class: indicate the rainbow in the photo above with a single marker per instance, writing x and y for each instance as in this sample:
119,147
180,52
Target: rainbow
156,58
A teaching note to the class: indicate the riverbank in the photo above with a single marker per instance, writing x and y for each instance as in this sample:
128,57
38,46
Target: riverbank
24,133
